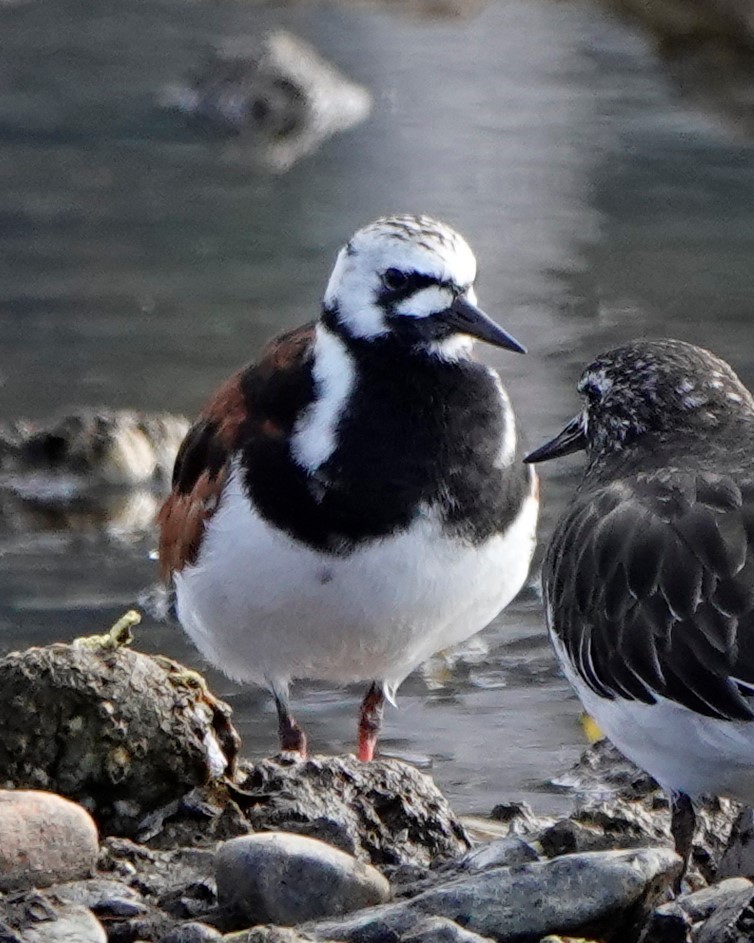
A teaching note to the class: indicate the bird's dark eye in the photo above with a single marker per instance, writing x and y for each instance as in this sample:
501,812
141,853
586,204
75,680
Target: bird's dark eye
394,280
591,391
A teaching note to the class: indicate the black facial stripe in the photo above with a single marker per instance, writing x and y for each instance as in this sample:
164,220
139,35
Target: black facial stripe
416,281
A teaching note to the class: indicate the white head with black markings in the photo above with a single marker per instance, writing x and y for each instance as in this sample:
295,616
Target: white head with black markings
409,279
656,387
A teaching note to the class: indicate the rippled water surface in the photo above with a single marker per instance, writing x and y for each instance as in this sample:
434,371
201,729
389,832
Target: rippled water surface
141,261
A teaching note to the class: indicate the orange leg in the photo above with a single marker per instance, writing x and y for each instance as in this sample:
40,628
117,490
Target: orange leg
370,721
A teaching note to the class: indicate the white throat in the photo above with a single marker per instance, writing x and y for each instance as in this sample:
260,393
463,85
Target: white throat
315,434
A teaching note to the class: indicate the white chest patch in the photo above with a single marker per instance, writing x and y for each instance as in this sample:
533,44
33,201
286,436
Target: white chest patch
507,452
264,607
314,437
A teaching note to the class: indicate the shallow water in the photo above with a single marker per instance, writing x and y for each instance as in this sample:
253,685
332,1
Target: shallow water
141,261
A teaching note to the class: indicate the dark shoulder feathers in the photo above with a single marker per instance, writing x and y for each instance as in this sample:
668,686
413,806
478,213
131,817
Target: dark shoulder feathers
650,589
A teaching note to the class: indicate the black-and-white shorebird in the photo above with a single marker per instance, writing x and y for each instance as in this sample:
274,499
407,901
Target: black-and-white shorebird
355,501
649,576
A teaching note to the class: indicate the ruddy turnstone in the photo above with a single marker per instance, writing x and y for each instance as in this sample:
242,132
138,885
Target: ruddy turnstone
649,576
355,501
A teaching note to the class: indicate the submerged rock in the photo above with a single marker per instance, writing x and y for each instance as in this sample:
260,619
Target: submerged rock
112,447
92,471
118,731
287,879
282,96
707,47
694,21
384,812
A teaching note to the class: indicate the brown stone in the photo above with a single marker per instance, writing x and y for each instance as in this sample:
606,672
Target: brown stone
44,839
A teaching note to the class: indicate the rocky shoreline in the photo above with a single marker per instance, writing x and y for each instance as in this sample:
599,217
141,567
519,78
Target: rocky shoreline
127,816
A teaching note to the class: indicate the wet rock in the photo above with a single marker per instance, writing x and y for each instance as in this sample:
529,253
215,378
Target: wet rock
518,819
605,893
45,839
673,922
502,852
409,881
118,731
702,904
282,96
607,825
738,857
668,924
192,933
732,921
108,900
271,935
442,930
619,806
288,879
384,812
602,772
37,918
170,879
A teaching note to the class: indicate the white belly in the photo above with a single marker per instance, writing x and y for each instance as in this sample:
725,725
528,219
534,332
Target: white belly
682,750
266,608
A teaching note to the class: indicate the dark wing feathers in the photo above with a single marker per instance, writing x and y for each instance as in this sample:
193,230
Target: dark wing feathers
260,401
650,589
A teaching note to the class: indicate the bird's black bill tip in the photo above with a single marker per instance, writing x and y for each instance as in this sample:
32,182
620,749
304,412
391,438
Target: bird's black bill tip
466,318
571,439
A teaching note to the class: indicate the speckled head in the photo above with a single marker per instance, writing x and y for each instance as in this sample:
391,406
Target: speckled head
664,387
410,278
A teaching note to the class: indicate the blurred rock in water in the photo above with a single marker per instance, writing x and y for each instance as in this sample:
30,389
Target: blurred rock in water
96,470
113,447
281,98
708,48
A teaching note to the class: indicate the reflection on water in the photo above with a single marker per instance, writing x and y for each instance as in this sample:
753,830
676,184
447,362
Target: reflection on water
140,262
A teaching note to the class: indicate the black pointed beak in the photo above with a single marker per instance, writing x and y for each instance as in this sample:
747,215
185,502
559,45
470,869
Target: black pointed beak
571,439
466,318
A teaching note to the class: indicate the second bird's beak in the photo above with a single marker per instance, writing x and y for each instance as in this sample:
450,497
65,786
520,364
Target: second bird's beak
571,439
466,318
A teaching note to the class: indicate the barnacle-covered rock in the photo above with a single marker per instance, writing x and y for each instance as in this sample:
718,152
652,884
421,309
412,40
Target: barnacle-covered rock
121,732
384,812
